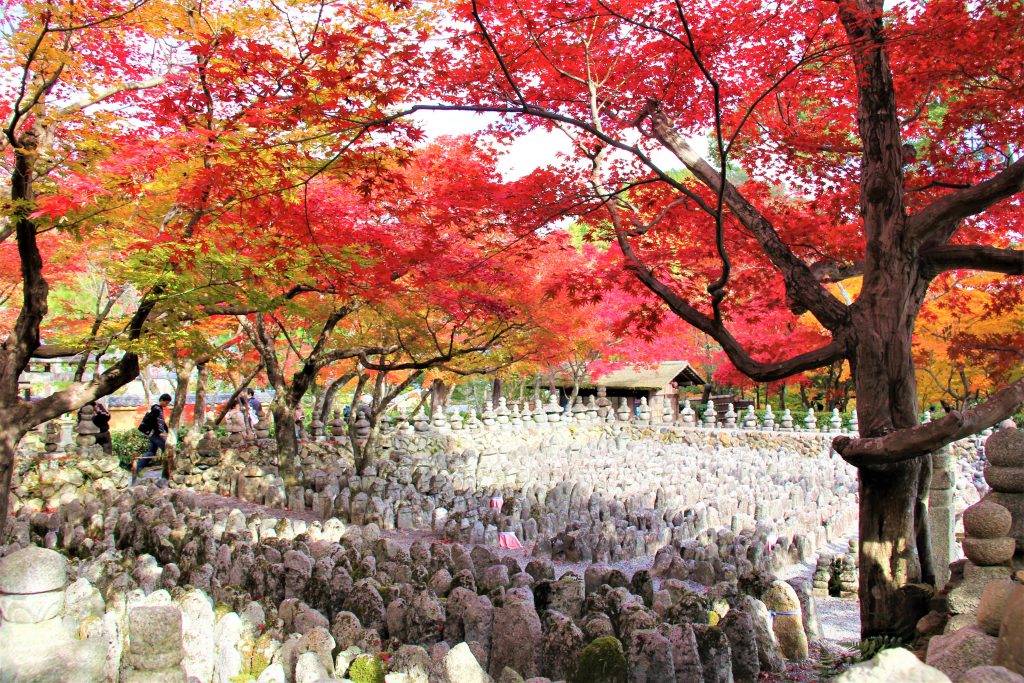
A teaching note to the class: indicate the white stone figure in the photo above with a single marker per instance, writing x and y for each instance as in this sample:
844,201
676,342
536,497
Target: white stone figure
687,416
749,418
440,420
644,412
420,421
836,423
488,417
578,411
730,417
622,413
710,415
501,413
811,421
515,418
769,419
553,410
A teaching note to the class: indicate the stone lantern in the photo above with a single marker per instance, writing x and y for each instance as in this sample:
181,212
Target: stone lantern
32,582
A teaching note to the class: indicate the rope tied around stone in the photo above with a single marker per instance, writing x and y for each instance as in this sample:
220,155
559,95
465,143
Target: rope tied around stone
791,613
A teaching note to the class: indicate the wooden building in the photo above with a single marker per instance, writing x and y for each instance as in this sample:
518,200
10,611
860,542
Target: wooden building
657,382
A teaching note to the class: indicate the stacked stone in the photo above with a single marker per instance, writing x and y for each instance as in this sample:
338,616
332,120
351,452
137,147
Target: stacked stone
337,427
502,414
989,550
987,541
643,412
51,438
687,416
87,431
487,417
835,422
730,417
207,451
235,430
361,429
579,411
1004,451
622,413
553,410
810,421
822,575
710,416
849,581
988,610
316,429
262,428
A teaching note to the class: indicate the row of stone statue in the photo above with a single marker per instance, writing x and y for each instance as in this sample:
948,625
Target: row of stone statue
595,410
592,411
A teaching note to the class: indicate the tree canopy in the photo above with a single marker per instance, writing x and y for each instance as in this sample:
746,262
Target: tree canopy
249,171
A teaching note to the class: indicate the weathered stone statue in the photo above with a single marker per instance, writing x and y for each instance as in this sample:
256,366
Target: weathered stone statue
604,404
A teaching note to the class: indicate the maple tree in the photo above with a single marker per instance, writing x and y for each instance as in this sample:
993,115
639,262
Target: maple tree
870,148
167,134
968,340
423,271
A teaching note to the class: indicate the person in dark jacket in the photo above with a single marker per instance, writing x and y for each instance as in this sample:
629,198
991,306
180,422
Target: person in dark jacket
254,403
156,428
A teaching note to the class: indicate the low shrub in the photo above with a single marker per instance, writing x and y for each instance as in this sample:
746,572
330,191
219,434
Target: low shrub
128,445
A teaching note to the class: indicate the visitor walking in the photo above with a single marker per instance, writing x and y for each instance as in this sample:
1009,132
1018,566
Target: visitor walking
155,427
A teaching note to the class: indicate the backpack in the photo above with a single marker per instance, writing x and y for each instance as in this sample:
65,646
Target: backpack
147,426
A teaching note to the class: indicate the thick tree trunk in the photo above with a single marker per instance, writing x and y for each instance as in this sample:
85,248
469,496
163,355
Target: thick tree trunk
895,549
284,433
9,438
183,368
496,391
199,410
438,397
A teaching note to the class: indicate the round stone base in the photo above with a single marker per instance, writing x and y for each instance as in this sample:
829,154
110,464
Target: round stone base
32,608
989,552
986,519
1007,479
